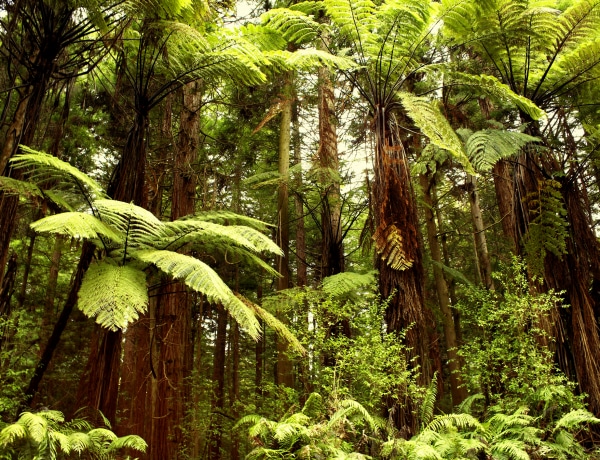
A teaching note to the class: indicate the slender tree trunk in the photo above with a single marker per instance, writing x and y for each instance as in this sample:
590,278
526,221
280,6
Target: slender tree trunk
48,313
482,254
454,361
218,377
87,254
27,268
285,375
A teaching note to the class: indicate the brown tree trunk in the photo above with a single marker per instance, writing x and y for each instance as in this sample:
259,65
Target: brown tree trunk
218,377
454,361
399,259
285,375
174,324
482,254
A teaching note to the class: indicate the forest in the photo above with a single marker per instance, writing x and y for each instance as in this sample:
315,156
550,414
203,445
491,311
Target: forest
321,229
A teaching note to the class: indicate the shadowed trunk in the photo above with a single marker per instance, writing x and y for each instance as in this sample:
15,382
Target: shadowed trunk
458,392
399,259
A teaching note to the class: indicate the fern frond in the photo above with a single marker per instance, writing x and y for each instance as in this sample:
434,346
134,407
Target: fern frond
280,329
428,403
201,278
78,225
295,26
349,407
134,222
354,18
345,283
454,274
12,186
389,243
113,295
510,448
306,59
574,419
445,422
430,120
47,170
11,433
486,147
230,218
490,86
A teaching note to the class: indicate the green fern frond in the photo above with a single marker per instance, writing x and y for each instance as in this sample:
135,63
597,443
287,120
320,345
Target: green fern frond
113,295
12,433
510,448
428,403
445,422
354,18
488,85
295,26
306,59
78,225
548,228
12,186
454,274
230,218
466,406
350,407
47,170
574,419
486,147
280,329
345,283
201,278
136,223
430,120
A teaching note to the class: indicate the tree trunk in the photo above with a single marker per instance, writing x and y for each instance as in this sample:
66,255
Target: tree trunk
285,375
399,257
218,377
454,361
482,254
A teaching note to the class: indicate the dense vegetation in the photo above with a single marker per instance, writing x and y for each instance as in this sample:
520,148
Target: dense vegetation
321,229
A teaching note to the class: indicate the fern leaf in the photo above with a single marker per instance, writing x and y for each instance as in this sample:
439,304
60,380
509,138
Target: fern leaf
355,19
12,186
78,225
113,295
490,86
428,403
295,26
574,419
435,126
230,218
46,169
442,423
136,223
389,243
485,148
201,278
511,449
346,283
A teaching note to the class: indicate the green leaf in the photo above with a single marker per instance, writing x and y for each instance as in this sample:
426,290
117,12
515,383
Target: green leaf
113,295
430,120
77,225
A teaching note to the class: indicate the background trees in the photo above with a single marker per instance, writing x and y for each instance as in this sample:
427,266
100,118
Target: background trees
429,141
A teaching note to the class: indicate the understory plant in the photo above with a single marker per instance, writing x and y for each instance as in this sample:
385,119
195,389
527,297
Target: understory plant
45,435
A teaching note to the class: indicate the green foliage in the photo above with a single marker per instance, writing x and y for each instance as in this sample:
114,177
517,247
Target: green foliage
312,436
46,436
548,228
486,147
113,290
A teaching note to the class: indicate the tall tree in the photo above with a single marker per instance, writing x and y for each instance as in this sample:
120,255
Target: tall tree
546,55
